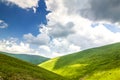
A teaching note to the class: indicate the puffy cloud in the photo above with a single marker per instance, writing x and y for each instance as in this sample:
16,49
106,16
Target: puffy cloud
93,37
3,24
40,39
45,50
59,30
62,46
55,46
24,4
79,13
12,46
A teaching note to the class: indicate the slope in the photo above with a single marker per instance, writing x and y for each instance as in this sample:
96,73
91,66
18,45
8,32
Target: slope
102,63
34,59
14,69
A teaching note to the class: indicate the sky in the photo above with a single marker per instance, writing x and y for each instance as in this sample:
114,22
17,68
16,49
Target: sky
54,28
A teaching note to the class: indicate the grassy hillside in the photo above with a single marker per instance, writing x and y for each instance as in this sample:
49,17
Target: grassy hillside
34,59
14,69
102,63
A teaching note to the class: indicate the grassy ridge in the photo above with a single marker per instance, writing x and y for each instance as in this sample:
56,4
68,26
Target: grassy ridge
102,63
14,69
34,59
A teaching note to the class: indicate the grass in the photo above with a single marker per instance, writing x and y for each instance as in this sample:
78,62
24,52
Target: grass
15,69
102,63
34,59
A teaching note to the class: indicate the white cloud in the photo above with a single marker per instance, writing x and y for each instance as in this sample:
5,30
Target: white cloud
57,47
3,24
40,39
62,46
12,46
52,47
85,36
93,37
24,4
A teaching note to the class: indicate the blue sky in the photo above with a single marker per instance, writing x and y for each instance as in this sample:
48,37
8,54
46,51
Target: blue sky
21,21
53,28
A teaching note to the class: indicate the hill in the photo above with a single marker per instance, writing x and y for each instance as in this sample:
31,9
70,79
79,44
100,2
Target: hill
15,69
34,59
101,63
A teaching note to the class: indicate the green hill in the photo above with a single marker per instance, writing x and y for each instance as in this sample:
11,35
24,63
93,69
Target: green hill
34,59
102,63
15,69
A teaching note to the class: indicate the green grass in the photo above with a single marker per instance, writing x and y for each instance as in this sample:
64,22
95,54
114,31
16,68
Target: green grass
15,69
34,59
102,63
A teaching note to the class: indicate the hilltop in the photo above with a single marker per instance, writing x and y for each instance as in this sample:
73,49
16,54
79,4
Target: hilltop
15,69
34,59
101,63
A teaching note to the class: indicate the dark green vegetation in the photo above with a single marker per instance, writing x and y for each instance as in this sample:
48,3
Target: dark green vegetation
34,59
102,63
15,69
